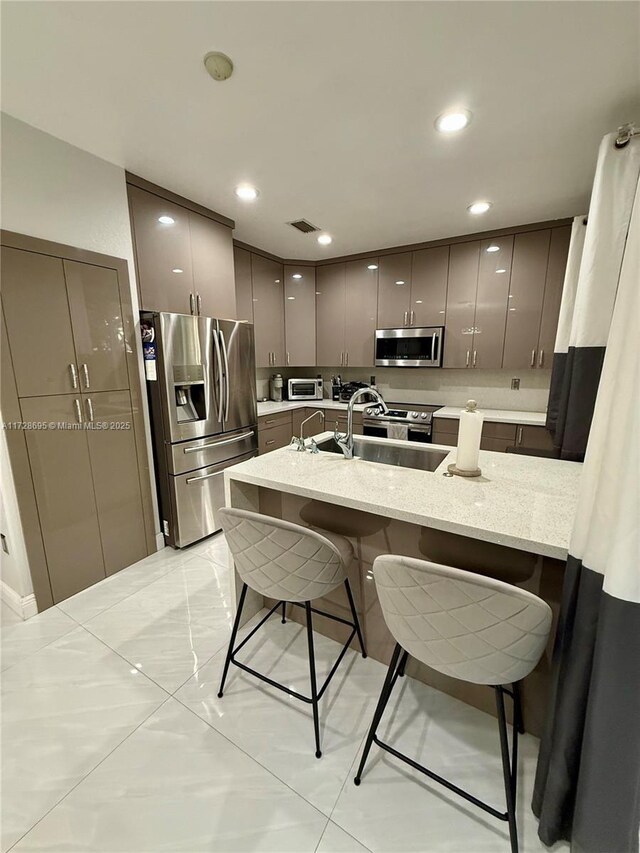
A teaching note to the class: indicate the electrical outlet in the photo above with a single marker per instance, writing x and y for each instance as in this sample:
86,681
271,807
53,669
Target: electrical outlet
515,384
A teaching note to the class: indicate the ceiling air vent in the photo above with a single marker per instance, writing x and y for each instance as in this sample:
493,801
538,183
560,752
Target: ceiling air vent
304,226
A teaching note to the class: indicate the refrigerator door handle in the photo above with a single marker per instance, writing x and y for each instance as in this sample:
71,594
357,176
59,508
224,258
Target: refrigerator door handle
216,344
226,375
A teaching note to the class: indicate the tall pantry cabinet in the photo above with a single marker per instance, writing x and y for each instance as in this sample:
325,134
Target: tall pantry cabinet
72,396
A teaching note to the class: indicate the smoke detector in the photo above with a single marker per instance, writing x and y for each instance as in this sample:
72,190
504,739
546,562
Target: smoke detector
218,65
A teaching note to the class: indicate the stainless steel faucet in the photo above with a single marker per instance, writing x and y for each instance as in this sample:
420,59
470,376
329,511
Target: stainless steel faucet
345,440
299,442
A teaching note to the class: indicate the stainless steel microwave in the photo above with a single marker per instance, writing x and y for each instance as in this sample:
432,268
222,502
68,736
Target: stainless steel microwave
304,389
409,347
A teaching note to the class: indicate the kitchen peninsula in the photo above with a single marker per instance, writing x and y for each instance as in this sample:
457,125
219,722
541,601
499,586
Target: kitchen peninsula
512,523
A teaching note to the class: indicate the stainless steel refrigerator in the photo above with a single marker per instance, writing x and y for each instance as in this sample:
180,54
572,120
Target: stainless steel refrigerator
201,378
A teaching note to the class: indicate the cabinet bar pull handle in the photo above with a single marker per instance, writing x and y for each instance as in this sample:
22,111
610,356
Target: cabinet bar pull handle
406,313
218,443
85,374
541,358
198,304
346,363
411,321
74,376
519,442
191,303
272,441
533,358
288,359
76,404
475,356
90,409
468,357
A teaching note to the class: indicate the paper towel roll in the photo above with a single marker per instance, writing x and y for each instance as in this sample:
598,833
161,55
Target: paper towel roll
469,438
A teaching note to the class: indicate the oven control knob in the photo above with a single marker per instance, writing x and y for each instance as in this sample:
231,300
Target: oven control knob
414,414
368,411
424,416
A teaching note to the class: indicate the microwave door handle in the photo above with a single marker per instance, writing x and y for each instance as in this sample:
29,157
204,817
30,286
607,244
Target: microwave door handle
226,375
434,347
218,372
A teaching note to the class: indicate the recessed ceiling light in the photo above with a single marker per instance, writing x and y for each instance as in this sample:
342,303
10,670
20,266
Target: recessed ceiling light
246,192
177,269
493,248
166,220
218,65
296,275
325,239
500,271
400,281
453,121
479,207
372,267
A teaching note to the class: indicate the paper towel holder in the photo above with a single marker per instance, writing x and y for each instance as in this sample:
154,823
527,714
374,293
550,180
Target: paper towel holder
453,469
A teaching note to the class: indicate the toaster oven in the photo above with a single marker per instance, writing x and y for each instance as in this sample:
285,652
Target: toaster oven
304,389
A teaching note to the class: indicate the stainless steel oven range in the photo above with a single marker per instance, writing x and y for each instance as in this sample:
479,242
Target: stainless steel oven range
402,424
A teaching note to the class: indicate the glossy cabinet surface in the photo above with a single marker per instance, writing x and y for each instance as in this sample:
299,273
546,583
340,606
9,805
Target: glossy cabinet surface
394,290
361,301
462,287
558,252
330,314
429,276
268,311
213,269
98,329
63,484
160,249
244,289
300,316
491,302
34,299
526,296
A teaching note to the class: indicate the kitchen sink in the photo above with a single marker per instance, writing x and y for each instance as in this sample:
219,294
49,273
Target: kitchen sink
421,457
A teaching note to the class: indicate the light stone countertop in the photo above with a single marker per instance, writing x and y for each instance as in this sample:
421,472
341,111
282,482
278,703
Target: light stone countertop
524,502
271,408
502,416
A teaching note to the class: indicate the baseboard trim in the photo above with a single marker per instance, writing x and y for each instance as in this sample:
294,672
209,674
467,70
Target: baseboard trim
23,605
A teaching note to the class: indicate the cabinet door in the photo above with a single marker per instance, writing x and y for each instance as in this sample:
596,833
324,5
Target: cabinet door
268,311
429,271
394,291
526,293
34,296
534,437
300,316
61,471
163,252
212,261
361,302
330,315
558,251
491,302
461,304
112,451
98,328
244,291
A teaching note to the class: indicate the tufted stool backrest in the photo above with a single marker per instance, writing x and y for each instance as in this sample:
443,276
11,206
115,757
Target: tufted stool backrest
465,625
279,559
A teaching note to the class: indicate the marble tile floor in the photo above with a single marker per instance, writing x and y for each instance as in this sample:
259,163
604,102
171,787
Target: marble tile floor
113,738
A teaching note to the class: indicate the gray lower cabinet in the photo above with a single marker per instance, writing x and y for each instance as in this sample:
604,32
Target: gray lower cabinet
495,436
274,431
62,478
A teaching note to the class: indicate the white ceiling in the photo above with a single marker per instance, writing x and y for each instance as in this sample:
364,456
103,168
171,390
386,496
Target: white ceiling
331,106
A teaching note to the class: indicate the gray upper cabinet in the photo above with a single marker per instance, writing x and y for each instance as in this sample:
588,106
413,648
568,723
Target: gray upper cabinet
491,302
464,262
268,311
244,289
98,328
394,291
361,303
34,298
429,273
212,262
526,296
300,315
163,252
558,252
330,315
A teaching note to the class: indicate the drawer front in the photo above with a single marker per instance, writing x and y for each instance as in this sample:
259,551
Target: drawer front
272,439
197,496
189,455
534,437
270,421
340,415
449,425
497,444
504,431
447,438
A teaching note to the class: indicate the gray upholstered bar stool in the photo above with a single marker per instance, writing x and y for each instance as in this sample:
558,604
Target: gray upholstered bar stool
292,564
470,627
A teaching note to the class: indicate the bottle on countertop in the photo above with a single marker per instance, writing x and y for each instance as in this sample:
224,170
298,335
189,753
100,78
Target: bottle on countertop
276,384
336,385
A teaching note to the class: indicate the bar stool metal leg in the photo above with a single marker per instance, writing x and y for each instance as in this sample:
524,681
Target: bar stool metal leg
284,612
382,704
312,674
356,621
236,625
508,771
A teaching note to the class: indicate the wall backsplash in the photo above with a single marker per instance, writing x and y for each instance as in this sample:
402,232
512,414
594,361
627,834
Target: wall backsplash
491,388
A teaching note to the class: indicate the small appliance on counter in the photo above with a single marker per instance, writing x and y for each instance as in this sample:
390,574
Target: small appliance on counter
349,389
336,385
304,389
276,384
